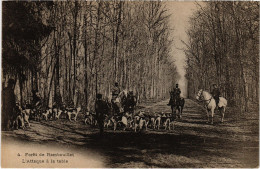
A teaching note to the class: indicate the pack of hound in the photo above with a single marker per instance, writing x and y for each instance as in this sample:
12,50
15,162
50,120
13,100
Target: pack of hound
142,120
23,115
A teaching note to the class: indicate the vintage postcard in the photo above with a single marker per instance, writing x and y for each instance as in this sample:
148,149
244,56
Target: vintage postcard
130,84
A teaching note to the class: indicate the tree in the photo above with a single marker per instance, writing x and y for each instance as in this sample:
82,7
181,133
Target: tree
223,43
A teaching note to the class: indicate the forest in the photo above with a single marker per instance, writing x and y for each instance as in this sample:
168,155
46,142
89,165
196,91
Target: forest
76,49
223,48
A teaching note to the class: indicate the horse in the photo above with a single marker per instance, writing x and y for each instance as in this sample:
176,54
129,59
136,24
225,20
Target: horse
130,103
117,115
120,101
177,104
210,104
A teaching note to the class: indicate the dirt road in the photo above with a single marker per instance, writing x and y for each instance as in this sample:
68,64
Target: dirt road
193,143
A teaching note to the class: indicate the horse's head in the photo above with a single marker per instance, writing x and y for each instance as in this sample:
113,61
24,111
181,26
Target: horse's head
198,97
203,95
121,96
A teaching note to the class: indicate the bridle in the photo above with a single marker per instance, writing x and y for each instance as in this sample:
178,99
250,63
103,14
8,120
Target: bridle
201,98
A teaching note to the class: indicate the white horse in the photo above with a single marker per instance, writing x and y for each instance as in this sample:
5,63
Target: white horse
119,101
120,96
210,104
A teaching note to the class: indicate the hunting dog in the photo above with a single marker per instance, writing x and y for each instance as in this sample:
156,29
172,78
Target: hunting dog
90,118
168,122
157,121
57,113
141,120
164,119
18,118
26,115
123,120
73,112
47,114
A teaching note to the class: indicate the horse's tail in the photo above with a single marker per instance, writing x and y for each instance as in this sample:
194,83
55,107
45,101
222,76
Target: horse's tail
182,101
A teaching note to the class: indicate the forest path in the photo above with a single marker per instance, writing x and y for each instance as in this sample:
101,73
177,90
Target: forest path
192,143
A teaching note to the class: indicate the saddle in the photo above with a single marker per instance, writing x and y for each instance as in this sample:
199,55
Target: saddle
175,100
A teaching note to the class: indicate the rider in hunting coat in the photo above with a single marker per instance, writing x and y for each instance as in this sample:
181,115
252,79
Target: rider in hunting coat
175,94
130,101
216,94
115,91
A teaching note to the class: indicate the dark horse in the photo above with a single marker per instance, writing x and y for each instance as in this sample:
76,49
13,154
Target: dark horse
177,103
130,103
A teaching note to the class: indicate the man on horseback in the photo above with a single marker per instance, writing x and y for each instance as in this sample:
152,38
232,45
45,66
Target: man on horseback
36,98
176,102
115,93
130,102
216,94
175,95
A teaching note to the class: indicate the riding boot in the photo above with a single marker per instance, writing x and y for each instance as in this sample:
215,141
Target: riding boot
217,102
169,103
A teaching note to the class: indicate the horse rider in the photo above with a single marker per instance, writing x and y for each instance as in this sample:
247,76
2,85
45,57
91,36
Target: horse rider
115,91
175,94
36,98
8,104
101,109
131,101
216,94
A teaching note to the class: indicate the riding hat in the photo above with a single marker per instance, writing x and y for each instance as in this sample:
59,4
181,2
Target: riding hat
11,81
99,96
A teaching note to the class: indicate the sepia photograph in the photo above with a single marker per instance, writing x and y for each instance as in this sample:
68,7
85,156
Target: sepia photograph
129,84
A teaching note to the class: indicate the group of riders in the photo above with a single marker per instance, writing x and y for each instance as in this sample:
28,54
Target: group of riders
101,106
128,102
175,97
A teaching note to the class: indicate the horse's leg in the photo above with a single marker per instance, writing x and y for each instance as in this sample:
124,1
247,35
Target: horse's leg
222,113
212,115
146,124
135,126
179,112
207,115
115,125
181,109
173,112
